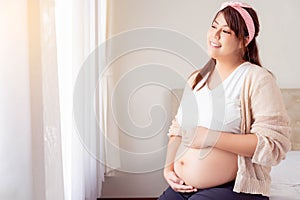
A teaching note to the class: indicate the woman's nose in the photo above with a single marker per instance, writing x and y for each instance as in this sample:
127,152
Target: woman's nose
216,33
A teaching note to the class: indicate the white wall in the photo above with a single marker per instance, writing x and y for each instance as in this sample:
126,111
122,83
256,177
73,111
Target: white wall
278,46
279,52
15,134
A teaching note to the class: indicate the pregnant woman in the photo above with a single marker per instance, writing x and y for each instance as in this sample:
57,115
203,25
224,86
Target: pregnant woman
241,128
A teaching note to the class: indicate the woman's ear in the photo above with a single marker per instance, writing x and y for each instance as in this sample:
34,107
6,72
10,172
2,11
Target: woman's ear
247,41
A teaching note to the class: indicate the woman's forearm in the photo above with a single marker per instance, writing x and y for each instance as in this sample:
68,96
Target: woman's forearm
241,144
173,144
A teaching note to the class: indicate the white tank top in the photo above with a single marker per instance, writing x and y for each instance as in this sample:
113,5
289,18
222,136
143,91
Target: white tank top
218,108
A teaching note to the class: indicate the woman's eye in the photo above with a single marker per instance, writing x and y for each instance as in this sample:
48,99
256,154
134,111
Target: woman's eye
228,32
213,26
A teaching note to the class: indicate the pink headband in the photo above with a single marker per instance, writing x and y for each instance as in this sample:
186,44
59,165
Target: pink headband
238,6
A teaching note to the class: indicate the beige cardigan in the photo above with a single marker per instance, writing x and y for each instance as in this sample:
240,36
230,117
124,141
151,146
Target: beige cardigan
263,113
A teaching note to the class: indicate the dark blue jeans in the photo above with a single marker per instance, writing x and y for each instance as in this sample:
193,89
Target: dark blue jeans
221,192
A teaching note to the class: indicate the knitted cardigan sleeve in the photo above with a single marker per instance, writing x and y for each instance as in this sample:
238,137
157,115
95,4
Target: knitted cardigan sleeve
270,121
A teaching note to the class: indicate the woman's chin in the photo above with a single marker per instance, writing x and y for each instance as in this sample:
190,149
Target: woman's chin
212,54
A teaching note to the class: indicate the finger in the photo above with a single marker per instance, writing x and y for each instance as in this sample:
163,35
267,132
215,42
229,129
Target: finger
187,191
175,179
183,187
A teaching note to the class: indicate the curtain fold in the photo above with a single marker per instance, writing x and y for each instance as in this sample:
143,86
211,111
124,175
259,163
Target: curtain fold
111,157
51,113
46,131
110,130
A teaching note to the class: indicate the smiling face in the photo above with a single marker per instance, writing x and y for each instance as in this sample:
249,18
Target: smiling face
221,40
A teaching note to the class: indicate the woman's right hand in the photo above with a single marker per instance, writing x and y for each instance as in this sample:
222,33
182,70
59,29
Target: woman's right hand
176,183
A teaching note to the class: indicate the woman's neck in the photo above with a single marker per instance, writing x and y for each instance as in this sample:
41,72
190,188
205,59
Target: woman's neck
225,67
228,64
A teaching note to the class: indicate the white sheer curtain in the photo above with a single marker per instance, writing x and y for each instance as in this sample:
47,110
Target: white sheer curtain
45,109
66,153
81,27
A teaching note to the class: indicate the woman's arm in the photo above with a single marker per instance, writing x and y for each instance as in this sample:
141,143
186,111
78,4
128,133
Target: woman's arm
176,183
241,144
201,137
174,142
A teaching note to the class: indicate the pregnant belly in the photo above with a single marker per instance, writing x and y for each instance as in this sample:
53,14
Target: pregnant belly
203,168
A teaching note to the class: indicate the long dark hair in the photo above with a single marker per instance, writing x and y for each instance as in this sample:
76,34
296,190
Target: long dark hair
238,26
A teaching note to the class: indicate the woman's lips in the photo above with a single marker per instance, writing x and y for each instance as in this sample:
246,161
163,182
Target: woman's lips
215,44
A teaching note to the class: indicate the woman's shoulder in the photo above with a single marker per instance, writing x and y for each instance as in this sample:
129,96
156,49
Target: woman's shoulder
259,77
258,72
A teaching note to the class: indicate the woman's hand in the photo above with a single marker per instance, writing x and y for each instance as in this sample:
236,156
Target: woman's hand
176,183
